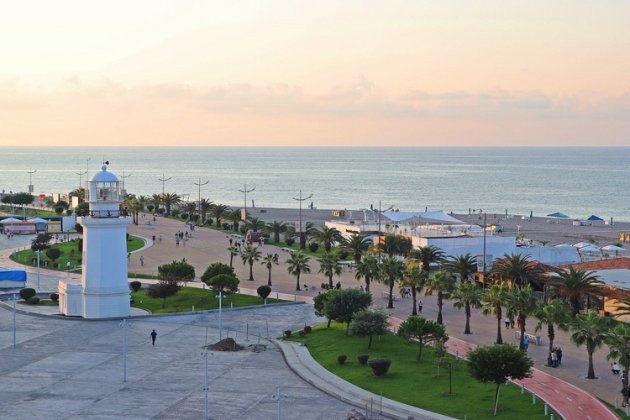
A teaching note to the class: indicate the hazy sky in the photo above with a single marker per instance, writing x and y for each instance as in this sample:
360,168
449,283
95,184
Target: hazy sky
316,73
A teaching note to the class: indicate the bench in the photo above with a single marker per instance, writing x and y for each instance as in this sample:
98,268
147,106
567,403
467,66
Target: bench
533,339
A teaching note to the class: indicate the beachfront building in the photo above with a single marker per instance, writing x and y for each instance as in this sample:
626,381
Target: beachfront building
103,291
435,228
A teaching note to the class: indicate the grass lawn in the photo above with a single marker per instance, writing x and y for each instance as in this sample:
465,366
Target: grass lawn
69,252
416,383
202,299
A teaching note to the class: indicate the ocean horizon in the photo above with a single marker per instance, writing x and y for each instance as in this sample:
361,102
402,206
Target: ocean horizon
578,181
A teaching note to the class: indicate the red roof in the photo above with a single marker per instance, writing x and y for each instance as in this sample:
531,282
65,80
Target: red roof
611,264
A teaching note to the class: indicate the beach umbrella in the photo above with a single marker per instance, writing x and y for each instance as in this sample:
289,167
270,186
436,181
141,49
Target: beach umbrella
594,218
558,215
590,248
612,248
581,244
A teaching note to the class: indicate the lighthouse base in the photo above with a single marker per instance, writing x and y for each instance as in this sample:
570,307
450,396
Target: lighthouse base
76,301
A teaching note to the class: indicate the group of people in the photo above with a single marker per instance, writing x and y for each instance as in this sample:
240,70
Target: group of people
509,322
556,357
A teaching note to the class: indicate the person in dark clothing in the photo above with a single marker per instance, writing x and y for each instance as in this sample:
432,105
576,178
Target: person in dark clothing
420,306
559,353
153,336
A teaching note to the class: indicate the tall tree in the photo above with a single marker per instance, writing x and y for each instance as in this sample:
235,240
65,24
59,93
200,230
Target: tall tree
463,265
396,245
276,228
269,261
369,322
254,223
358,245
178,271
575,285
442,284
392,270
618,341
423,331
319,304
206,207
234,217
297,264
367,269
328,236
467,295
494,298
523,302
416,279
169,200
329,264
497,363
428,255
589,329
233,253
552,314
518,269
218,212
250,255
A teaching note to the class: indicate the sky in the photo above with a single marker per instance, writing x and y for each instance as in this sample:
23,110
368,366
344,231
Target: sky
315,73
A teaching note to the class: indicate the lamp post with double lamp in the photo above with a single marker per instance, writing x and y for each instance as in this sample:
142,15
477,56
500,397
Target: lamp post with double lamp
125,327
379,227
123,176
199,184
245,191
302,236
163,180
206,386
81,173
30,173
220,297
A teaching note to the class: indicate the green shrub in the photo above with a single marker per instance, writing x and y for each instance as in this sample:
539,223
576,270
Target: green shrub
343,255
302,333
184,215
287,334
341,359
289,241
363,359
263,291
307,329
33,300
27,293
313,246
54,297
379,366
135,285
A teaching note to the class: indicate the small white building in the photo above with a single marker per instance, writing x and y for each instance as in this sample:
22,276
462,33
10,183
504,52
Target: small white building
103,291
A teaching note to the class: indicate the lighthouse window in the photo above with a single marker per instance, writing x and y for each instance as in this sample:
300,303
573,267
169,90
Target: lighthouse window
107,191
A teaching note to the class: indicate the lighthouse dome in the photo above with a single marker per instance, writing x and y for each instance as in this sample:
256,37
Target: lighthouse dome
104,176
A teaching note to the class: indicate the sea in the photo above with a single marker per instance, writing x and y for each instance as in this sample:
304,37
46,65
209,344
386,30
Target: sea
576,181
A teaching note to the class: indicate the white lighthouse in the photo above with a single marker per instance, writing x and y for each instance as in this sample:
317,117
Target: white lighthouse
104,290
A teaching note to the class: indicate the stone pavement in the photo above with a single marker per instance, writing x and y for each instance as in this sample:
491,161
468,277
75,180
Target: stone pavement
74,369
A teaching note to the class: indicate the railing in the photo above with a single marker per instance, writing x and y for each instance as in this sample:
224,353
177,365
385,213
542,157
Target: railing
103,214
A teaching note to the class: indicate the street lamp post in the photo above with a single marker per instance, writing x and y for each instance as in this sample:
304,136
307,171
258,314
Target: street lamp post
245,191
379,226
220,297
81,173
14,300
163,180
278,397
484,249
199,185
30,180
125,326
302,237
123,176
38,251
204,353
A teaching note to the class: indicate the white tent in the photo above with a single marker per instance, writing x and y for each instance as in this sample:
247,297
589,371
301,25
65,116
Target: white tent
10,220
581,245
435,217
590,248
38,220
614,248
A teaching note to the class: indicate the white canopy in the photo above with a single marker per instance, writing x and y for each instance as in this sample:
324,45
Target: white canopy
10,220
581,245
38,220
612,248
422,216
590,248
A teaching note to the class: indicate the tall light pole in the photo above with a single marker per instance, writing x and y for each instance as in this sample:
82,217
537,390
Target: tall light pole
206,386
163,180
245,191
81,173
199,184
125,327
278,397
302,237
123,176
220,297
30,180
484,249
379,226
14,300
38,251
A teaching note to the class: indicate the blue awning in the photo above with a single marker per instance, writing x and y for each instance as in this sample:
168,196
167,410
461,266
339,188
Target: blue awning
595,218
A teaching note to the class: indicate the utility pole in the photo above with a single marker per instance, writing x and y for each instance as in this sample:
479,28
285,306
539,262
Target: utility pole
379,227
302,236
81,173
200,184
245,191
30,180
123,176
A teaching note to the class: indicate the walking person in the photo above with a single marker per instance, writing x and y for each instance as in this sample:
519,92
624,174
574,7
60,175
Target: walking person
512,322
141,260
507,322
526,342
419,306
559,353
153,336
554,358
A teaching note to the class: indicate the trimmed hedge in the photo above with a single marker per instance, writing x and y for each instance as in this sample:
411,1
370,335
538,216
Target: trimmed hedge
379,366
363,359
27,293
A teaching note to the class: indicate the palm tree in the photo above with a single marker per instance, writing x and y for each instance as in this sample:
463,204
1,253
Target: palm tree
428,255
618,341
357,244
523,302
467,295
268,261
442,283
276,228
254,223
143,200
133,207
233,253
552,314
309,232
298,264
206,206
328,236
493,298
590,329
233,216
249,255
218,211
156,200
190,208
391,271
368,269
395,245
464,265
329,265
415,278
575,284
169,200
518,269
